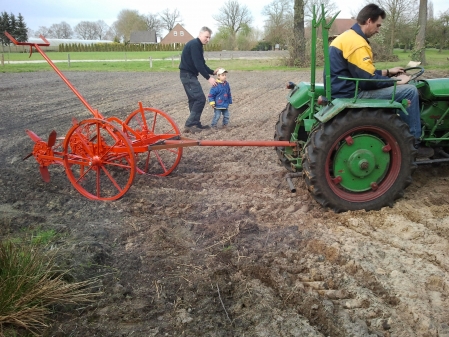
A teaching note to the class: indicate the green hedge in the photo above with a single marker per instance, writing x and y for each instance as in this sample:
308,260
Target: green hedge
99,47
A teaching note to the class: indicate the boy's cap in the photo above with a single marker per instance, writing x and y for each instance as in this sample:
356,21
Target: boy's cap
221,71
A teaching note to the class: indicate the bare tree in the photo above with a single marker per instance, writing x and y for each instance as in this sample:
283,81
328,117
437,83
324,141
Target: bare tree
31,33
279,21
419,52
430,10
102,29
397,11
86,30
298,48
154,23
329,5
170,19
44,31
233,16
442,29
129,21
61,30
112,34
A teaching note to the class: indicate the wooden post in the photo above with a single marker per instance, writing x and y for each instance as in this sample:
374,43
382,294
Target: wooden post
68,59
3,60
151,62
125,57
172,61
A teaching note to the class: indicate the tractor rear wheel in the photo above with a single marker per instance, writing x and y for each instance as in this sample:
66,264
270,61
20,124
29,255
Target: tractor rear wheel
361,159
285,126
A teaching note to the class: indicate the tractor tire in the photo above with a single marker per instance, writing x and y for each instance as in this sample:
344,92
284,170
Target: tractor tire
361,159
285,126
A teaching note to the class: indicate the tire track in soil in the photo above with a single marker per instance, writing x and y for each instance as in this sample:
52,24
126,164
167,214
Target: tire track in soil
223,221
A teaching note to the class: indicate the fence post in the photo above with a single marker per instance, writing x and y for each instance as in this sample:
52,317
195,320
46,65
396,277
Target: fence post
151,62
3,60
125,57
172,61
68,59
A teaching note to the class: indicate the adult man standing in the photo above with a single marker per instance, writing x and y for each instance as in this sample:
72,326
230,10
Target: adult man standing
192,64
350,55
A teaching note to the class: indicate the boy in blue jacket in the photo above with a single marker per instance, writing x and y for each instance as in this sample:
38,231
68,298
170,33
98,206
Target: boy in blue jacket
220,98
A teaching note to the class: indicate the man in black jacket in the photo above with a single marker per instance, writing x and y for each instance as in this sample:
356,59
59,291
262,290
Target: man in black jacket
192,64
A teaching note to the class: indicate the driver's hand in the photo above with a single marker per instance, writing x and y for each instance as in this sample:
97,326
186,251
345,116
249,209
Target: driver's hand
403,79
396,71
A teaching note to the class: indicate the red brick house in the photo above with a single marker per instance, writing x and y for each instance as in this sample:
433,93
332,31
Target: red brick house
177,35
341,25
338,26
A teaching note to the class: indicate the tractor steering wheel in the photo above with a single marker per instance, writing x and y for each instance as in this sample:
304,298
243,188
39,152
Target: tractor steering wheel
414,76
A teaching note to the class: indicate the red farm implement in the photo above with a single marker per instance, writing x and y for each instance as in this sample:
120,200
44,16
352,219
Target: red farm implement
101,155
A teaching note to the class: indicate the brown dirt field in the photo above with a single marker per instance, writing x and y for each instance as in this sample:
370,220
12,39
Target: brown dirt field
221,247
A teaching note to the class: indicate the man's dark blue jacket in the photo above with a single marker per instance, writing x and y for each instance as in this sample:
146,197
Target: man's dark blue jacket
192,59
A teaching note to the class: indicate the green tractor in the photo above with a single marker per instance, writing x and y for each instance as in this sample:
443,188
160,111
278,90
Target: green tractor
358,153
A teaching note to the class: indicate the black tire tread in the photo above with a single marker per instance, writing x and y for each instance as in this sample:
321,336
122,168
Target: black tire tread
284,128
325,134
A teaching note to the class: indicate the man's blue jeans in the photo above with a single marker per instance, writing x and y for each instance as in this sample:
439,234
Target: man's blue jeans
196,97
404,91
217,114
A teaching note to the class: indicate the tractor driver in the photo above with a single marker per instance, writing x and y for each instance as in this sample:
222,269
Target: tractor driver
350,55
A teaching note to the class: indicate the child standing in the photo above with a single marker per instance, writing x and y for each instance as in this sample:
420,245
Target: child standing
220,98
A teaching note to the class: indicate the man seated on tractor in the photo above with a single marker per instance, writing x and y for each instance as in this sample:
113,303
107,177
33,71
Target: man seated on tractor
350,55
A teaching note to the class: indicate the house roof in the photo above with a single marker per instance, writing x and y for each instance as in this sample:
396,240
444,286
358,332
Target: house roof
143,36
341,25
177,35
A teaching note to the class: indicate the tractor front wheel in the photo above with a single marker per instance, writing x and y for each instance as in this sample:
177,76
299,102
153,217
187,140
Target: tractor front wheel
284,129
361,159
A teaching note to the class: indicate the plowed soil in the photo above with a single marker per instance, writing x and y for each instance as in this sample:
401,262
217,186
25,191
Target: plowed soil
221,247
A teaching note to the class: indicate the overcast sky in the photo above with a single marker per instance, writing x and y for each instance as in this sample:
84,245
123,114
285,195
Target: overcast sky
47,12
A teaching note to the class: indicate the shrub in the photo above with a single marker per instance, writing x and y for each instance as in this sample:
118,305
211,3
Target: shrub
30,283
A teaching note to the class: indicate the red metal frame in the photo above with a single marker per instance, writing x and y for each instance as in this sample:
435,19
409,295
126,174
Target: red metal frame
95,147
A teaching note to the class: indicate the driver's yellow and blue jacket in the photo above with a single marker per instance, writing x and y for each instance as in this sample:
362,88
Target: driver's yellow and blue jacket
350,55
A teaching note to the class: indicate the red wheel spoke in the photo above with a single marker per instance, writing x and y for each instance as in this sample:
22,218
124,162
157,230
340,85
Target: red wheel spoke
147,161
154,123
159,159
111,179
98,138
98,182
144,121
83,143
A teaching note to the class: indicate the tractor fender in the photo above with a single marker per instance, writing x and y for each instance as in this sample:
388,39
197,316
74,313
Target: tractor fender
340,104
299,96
435,89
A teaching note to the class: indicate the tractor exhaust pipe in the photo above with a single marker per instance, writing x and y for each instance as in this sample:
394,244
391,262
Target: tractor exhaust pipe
289,177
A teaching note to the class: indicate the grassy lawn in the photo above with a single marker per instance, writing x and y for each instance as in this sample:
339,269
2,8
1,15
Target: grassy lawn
169,61
122,56
434,59
136,61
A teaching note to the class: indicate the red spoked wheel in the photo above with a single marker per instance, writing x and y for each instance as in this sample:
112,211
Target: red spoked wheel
99,160
149,126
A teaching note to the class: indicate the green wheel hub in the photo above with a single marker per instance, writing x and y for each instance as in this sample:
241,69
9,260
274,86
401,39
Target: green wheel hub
361,162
